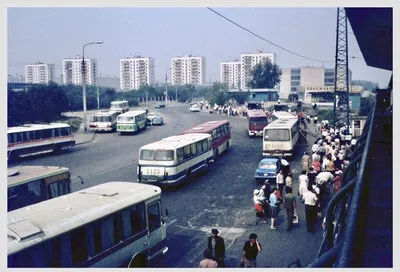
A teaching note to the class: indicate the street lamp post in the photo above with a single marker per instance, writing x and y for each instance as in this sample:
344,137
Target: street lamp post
84,83
166,86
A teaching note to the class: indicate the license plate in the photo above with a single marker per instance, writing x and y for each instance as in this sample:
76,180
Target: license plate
153,171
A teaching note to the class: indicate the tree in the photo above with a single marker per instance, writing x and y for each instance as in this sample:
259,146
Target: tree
265,75
366,105
367,85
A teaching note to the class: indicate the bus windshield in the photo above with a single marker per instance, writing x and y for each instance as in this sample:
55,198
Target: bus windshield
102,119
258,121
126,118
277,135
157,155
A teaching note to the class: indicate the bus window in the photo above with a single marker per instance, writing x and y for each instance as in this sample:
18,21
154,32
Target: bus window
164,155
107,232
154,216
205,144
193,149
133,221
179,154
52,190
117,227
79,252
277,135
55,252
97,237
199,146
64,131
35,192
186,150
46,133
147,155
31,257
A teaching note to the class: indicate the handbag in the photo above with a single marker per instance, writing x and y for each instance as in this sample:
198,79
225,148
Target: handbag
295,218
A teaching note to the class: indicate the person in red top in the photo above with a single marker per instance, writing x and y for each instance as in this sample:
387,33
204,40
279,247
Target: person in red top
336,182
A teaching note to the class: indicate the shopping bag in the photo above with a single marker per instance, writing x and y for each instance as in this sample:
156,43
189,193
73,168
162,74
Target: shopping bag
295,218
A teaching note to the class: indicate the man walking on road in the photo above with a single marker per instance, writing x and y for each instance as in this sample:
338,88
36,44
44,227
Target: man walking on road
310,201
217,246
290,206
251,249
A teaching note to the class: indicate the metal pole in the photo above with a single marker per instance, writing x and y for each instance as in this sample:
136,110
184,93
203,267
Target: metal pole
98,95
176,94
84,89
166,88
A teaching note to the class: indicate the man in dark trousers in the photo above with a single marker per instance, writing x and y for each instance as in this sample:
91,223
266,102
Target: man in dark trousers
217,246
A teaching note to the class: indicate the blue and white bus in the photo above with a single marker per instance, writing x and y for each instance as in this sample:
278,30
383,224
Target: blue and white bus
175,159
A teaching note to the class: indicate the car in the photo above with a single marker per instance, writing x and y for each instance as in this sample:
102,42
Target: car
194,108
160,106
268,168
154,119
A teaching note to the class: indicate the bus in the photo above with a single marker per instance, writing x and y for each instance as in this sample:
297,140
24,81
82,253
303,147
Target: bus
175,159
119,106
33,139
104,121
220,132
131,121
280,137
115,224
283,115
30,184
256,121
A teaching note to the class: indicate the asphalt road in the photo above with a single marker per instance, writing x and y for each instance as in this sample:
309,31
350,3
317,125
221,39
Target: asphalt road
220,198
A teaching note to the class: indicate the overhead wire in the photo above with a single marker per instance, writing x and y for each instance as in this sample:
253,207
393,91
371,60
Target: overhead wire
262,38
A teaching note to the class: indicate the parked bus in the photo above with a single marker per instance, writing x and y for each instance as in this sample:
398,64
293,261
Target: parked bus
33,139
131,121
27,185
280,137
104,121
173,160
283,115
220,132
256,121
119,106
115,224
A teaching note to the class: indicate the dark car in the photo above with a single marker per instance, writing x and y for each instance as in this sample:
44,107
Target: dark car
269,167
160,106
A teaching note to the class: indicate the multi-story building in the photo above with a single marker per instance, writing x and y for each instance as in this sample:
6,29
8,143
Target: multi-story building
60,80
17,78
248,61
72,71
188,70
39,73
295,79
109,81
230,73
136,71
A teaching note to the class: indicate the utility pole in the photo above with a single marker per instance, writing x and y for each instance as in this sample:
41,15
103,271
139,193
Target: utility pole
98,95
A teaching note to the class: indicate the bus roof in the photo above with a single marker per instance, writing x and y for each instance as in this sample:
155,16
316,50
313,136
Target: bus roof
105,112
284,114
206,127
31,127
256,113
282,123
33,224
177,141
118,102
27,173
132,113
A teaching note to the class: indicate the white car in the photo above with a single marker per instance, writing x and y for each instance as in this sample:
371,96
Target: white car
194,108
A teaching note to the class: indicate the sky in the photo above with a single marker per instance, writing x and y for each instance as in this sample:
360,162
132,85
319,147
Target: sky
50,35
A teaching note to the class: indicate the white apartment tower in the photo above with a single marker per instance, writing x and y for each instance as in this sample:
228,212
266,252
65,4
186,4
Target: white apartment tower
72,71
230,73
248,61
135,72
188,70
39,73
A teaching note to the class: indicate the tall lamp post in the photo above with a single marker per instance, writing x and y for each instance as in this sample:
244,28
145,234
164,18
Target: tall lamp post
166,86
151,84
84,83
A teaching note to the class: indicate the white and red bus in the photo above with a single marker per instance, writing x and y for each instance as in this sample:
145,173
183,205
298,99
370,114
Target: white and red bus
32,139
220,132
256,121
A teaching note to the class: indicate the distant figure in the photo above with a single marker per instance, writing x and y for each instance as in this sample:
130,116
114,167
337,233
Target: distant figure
208,262
217,246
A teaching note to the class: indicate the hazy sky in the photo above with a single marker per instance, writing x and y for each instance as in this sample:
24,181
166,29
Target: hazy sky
51,34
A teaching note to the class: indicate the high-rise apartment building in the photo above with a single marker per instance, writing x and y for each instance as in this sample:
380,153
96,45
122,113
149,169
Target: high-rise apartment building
17,78
188,70
248,61
72,71
294,79
136,71
230,74
39,73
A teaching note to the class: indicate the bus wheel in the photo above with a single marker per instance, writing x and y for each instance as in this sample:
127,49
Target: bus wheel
188,175
215,154
57,149
138,261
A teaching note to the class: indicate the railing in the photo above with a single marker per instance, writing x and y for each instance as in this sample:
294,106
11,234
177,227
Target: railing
343,209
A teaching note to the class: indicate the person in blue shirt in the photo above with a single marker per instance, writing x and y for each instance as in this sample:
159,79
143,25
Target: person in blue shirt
273,202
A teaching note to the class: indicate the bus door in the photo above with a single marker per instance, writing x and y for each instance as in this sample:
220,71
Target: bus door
157,230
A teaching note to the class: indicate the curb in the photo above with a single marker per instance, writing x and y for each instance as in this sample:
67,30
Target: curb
85,142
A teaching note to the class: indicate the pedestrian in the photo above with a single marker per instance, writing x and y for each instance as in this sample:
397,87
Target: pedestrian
208,262
217,246
273,202
310,201
266,191
251,249
311,175
290,206
305,162
288,182
337,182
280,181
317,166
258,207
303,183
322,180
